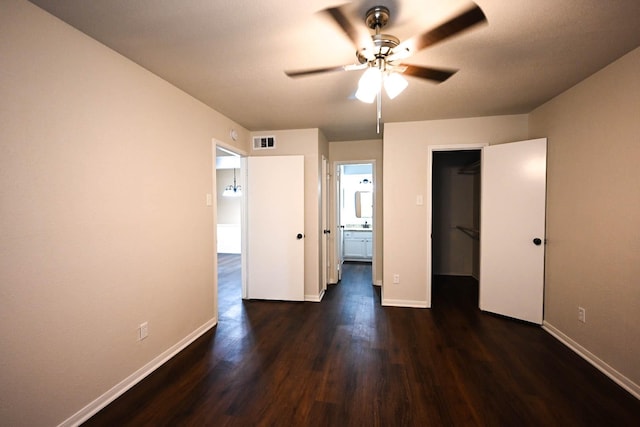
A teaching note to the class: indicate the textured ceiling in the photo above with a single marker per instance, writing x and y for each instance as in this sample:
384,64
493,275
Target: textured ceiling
231,55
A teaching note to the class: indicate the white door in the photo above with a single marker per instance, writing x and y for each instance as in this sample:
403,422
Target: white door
275,228
324,188
339,226
512,229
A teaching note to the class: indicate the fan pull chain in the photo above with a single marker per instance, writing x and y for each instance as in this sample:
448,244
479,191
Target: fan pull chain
379,112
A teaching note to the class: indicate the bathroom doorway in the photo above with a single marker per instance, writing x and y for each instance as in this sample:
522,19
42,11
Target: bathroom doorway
355,214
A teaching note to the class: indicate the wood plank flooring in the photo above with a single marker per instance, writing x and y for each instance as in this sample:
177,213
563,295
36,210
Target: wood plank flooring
348,361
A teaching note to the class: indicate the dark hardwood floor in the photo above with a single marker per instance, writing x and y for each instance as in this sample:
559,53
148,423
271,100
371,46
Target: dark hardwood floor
348,361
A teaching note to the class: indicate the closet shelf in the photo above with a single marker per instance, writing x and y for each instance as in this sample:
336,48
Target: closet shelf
470,169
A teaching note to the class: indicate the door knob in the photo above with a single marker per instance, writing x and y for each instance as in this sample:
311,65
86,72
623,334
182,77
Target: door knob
326,231
299,236
537,241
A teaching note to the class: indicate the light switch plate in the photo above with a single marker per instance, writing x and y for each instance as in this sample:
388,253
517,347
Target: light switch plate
143,331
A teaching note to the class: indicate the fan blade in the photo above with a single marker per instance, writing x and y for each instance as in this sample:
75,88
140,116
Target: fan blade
303,73
435,74
473,16
360,37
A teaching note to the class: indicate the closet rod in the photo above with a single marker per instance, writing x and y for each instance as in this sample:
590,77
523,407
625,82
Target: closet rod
471,232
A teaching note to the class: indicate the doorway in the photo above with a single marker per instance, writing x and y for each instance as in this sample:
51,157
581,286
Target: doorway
355,214
455,222
512,227
229,190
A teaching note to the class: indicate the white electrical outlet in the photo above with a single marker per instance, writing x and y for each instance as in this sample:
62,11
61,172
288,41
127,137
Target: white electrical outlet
396,278
143,331
582,315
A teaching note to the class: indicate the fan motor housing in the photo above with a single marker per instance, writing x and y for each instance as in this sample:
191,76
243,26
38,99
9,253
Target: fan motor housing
383,45
377,17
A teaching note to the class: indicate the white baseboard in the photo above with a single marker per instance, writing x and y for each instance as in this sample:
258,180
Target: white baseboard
404,303
314,298
606,369
119,389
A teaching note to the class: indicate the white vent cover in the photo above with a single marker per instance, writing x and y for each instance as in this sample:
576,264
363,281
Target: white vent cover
264,142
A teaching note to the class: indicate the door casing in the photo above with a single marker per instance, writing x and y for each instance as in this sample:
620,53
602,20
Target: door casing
484,305
336,259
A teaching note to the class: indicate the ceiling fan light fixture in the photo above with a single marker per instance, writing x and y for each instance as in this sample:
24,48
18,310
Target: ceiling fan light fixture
382,53
369,85
366,96
232,191
394,84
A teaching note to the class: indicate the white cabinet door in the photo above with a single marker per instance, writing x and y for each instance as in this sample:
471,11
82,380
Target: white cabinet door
368,248
352,245
275,228
357,245
512,229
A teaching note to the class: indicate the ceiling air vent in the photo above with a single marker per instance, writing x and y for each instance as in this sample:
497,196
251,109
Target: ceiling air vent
264,142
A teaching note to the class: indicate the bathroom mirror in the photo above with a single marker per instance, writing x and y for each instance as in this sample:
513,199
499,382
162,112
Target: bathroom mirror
364,204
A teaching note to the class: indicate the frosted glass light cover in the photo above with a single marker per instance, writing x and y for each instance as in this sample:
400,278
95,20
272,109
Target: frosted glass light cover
369,85
394,84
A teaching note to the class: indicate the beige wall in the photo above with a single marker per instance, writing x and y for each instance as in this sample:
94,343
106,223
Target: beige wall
305,142
347,151
104,171
593,213
405,224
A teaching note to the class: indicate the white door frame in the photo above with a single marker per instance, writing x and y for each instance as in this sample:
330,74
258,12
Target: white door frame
244,268
338,231
374,220
324,223
429,201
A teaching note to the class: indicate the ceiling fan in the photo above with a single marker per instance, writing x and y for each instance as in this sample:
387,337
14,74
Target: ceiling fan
381,55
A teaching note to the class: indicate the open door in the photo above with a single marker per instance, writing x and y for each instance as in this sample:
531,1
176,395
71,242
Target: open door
512,229
324,209
339,226
275,228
